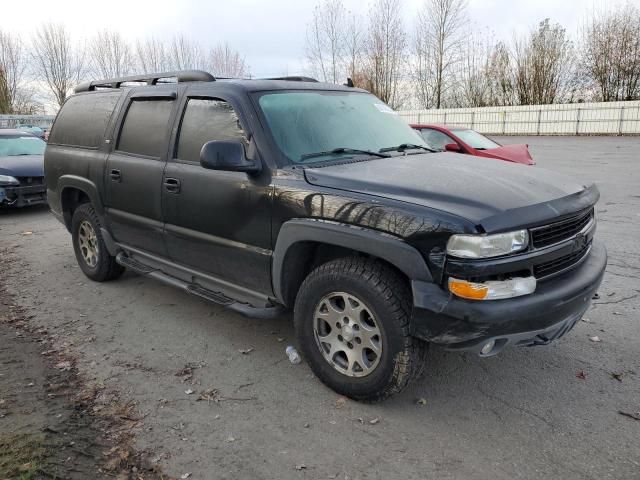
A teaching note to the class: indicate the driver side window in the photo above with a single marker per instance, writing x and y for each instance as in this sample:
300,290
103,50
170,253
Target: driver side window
206,120
435,139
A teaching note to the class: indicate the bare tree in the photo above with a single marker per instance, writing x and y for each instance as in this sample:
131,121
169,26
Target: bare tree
110,55
475,73
152,55
15,97
385,52
224,61
185,54
56,60
543,65
325,40
438,45
354,50
611,53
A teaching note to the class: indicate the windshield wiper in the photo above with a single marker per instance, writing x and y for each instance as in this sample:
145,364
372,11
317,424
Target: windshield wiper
406,146
339,150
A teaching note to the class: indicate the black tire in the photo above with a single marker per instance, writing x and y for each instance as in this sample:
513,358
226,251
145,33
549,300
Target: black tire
386,294
105,267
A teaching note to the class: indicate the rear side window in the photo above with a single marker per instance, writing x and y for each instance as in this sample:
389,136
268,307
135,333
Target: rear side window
206,120
145,128
83,120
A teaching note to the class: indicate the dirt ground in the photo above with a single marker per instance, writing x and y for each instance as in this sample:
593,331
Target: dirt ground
213,395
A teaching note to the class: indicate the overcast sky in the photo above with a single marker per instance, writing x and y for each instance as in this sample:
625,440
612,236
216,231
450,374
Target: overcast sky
270,33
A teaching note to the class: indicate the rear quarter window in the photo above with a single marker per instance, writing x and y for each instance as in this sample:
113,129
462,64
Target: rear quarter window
83,120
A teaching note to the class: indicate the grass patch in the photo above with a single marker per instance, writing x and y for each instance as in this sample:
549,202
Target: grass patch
21,456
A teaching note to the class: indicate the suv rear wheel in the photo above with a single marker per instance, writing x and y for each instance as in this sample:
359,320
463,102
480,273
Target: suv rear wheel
352,323
91,252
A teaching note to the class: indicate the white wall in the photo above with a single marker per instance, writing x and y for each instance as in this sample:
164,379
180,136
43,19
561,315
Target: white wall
610,118
9,121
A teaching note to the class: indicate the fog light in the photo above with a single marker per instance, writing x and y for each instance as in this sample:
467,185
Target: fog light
488,347
493,289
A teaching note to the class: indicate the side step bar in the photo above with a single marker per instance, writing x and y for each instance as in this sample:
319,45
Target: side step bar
198,290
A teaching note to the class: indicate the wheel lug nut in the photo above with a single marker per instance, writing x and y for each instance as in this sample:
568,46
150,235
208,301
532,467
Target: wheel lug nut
356,327
350,345
338,325
358,341
340,337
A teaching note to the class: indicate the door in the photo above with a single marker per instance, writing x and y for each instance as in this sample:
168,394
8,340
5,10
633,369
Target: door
133,178
216,222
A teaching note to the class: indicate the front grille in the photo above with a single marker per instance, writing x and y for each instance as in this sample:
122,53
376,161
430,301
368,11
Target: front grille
559,231
28,181
559,264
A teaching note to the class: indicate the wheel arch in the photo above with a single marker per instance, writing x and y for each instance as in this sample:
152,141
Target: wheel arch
75,191
303,243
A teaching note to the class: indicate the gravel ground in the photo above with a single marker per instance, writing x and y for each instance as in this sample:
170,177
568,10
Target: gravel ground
523,414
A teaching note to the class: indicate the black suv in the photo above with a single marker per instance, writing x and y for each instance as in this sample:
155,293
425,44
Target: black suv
264,194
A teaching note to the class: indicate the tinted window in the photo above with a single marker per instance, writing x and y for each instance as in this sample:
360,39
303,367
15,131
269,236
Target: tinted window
435,139
145,128
206,120
83,120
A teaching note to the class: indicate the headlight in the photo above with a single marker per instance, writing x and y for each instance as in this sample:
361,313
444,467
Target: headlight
8,180
484,246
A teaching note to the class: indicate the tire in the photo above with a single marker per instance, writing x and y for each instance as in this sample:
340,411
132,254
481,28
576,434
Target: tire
91,251
381,362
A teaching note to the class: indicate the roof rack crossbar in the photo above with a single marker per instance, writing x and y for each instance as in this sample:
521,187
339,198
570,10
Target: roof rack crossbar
148,78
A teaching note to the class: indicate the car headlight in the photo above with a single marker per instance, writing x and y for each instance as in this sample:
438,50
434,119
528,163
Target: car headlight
8,180
485,246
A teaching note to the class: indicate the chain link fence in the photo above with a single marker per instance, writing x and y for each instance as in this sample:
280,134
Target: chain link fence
610,118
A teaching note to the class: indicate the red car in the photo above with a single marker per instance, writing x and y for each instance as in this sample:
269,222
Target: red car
464,140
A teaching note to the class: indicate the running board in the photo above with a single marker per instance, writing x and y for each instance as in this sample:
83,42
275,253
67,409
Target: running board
199,291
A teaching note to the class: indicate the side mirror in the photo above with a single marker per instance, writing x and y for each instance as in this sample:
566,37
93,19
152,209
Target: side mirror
452,147
226,155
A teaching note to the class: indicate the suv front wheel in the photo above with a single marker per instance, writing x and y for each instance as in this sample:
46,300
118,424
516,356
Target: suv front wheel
91,252
352,323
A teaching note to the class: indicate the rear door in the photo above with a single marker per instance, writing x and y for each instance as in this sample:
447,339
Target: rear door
133,177
216,222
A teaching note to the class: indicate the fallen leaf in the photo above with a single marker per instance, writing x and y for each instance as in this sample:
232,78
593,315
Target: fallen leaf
301,466
340,402
422,401
65,365
246,351
374,421
617,376
581,375
586,320
595,338
634,415
185,475
230,439
188,392
209,395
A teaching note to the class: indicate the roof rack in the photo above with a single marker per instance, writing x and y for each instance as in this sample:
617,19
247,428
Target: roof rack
148,78
294,79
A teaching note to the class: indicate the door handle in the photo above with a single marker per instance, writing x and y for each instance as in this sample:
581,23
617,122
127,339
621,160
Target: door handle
115,175
172,185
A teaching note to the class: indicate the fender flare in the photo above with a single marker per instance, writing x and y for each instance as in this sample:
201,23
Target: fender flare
85,185
378,244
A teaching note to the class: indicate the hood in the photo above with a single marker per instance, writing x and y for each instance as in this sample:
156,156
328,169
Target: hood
22,166
512,153
493,195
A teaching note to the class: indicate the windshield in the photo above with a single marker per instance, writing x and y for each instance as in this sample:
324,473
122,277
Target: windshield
11,146
475,140
306,123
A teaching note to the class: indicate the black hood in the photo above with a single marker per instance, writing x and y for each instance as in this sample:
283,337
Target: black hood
22,166
493,195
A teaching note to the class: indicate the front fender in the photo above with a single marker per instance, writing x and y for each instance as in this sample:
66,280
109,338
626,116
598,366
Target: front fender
378,244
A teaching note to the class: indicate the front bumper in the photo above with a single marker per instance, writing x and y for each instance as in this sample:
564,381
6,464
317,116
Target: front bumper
23,196
555,307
